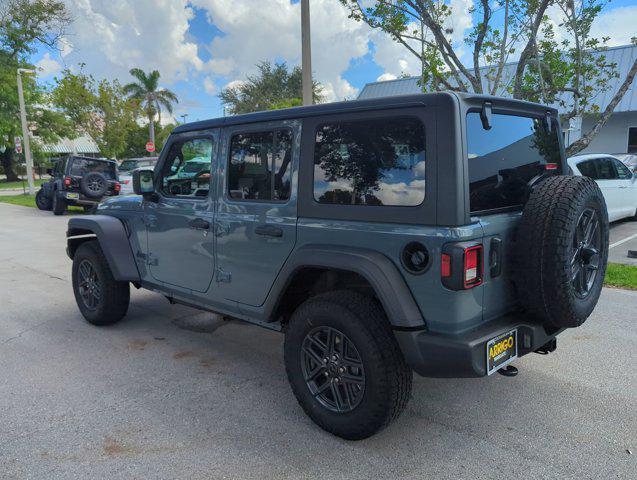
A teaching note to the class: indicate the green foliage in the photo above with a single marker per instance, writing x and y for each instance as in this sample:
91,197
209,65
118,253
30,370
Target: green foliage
621,276
273,87
98,108
26,25
146,90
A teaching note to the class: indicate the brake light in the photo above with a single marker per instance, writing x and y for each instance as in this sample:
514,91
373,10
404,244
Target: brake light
472,266
445,265
551,166
117,187
67,181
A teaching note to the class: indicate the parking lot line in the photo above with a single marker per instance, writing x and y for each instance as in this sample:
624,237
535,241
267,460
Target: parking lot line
624,240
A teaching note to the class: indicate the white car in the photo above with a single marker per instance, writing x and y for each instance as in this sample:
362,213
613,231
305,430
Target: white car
126,168
617,183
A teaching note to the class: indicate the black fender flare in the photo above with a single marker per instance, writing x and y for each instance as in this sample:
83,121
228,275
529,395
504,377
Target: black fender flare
113,238
384,277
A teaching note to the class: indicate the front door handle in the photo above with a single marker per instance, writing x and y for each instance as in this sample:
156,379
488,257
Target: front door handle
268,231
199,224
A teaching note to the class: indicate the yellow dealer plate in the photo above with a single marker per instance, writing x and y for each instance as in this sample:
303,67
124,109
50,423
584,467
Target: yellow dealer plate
502,350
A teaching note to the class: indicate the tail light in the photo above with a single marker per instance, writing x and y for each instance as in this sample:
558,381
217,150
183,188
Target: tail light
551,166
117,187
472,266
68,181
462,265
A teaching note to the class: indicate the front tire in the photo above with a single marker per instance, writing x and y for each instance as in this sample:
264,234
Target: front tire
101,299
42,201
344,365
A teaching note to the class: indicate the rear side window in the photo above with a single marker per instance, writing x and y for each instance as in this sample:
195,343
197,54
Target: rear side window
260,166
503,160
598,169
370,162
80,166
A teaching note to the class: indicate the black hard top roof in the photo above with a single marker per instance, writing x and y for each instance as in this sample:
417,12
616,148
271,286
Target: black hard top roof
99,159
396,101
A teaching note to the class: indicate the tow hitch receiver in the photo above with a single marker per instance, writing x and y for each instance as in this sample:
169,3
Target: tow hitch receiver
508,371
548,347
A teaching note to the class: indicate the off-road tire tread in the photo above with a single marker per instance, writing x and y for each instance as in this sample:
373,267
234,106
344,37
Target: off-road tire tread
58,204
397,375
115,295
543,237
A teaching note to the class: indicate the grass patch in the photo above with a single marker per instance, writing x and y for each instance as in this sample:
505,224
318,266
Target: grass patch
8,185
621,276
26,200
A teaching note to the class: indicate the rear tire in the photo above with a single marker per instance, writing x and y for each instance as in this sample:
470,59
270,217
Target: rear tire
365,398
562,250
58,205
101,299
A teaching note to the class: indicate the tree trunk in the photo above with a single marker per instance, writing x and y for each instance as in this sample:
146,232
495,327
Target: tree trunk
151,129
585,141
7,160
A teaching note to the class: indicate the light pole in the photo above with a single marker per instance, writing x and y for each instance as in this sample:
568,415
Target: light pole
306,53
183,117
25,130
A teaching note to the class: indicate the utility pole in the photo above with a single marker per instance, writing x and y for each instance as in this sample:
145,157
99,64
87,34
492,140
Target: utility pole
306,53
25,130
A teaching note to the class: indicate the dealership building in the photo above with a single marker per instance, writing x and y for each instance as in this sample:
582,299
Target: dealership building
619,135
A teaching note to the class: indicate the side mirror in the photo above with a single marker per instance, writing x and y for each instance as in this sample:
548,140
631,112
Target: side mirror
49,171
143,183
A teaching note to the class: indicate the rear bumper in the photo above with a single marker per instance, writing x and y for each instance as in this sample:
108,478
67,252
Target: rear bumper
456,356
82,199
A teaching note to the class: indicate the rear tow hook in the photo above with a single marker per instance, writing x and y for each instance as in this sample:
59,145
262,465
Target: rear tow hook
548,347
508,371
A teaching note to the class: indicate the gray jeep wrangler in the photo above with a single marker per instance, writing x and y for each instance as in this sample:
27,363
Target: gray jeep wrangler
432,233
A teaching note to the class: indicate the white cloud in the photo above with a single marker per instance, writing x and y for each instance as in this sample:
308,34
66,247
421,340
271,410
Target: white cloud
112,37
273,32
618,24
385,77
47,66
209,86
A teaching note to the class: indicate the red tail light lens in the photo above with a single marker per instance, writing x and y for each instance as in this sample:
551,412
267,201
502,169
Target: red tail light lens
117,187
67,181
473,266
551,166
445,265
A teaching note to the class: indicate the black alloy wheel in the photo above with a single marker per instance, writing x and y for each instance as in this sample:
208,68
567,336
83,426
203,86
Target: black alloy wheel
332,369
90,289
585,260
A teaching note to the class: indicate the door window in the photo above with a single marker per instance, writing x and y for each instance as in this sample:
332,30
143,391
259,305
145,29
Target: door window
632,140
598,169
259,166
622,171
370,162
187,168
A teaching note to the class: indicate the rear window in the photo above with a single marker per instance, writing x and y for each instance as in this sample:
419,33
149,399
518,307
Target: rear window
370,162
79,166
503,160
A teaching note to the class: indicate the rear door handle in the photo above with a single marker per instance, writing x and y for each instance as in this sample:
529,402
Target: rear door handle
199,224
268,231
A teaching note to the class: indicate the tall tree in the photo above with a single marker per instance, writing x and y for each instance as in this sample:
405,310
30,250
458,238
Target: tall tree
570,71
26,25
152,98
273,87
98,108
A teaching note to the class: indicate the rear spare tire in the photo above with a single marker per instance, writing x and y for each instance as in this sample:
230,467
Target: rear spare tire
94,185
562,250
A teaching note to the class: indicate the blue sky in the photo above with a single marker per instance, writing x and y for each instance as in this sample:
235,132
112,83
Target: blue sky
201,46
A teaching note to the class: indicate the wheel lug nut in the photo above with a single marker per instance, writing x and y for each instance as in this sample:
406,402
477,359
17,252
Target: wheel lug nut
341,370
335,357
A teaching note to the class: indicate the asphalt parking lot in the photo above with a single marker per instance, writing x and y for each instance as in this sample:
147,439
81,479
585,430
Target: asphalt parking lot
165,394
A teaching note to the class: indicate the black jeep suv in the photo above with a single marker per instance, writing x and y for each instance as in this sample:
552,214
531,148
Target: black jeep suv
77,180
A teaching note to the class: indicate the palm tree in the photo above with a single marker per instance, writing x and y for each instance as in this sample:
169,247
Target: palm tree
152,99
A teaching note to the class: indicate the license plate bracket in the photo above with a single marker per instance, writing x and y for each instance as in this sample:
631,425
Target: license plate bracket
501,350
